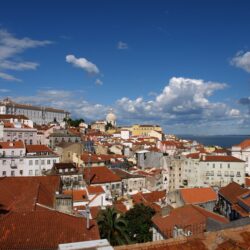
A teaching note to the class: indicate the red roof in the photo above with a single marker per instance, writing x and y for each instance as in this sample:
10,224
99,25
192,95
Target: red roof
198,195
13,144
77,194
232,191
37,148
95,189
247,181
43,229
22,193
223,158
244,144
99,175
149,199
189,217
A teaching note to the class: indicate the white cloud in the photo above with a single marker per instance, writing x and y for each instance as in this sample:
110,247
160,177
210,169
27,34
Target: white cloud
182,98
4,90
242,60
98,82
82,63
8,77
10,47
122,45
234,113
184,105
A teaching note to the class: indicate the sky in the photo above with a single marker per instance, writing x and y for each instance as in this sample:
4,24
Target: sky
184,65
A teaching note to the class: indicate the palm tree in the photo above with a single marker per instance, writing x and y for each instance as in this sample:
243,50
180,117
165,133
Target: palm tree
112,227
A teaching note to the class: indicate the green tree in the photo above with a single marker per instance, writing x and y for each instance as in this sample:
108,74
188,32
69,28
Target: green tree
113,227
139,223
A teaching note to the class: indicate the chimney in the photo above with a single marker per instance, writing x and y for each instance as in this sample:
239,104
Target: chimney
87,216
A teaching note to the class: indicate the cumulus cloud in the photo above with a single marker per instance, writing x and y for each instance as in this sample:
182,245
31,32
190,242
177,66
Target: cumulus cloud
98,82
122,45
181,99
82,63
242,60
183,105
10,48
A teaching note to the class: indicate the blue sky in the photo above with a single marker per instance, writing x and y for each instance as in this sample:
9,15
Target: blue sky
182,64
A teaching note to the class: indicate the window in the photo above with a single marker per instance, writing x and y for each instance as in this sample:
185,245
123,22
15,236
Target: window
220,165
42,162
48,162
30,172
228,165
36,162
12,173
4,173
12,153
30,162
21,172
213,165
36,172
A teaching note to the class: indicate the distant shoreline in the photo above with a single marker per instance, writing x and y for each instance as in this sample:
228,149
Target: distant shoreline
226,141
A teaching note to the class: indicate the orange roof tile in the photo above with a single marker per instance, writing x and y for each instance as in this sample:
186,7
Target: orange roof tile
195,221
198,195
37,148
95,189
223,158
244,144
44,229
232,191
98,175
12,144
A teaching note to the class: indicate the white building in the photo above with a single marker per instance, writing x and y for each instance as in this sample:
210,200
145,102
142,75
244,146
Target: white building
38,114
242,151
17,160
212,170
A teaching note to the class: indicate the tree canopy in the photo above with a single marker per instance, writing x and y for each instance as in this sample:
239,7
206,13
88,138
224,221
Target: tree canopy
139,223
112,227
73,123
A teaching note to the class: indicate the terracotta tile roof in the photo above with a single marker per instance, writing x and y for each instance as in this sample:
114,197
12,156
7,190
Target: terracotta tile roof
193,155
223,158
188,217
124,175
150,199
198,195
98,175
232,191
12,144
95,189
245,199
8,116
22,193
243,213
95,211
78,195
244,144
233,238
37,149
120,207
247,182
43,229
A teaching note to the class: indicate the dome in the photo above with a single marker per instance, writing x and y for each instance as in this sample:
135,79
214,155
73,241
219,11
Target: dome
111,117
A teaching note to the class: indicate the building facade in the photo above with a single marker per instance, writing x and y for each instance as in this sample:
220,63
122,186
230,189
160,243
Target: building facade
38,114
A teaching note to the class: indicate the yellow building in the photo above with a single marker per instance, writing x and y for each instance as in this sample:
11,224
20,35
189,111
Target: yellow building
144,130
